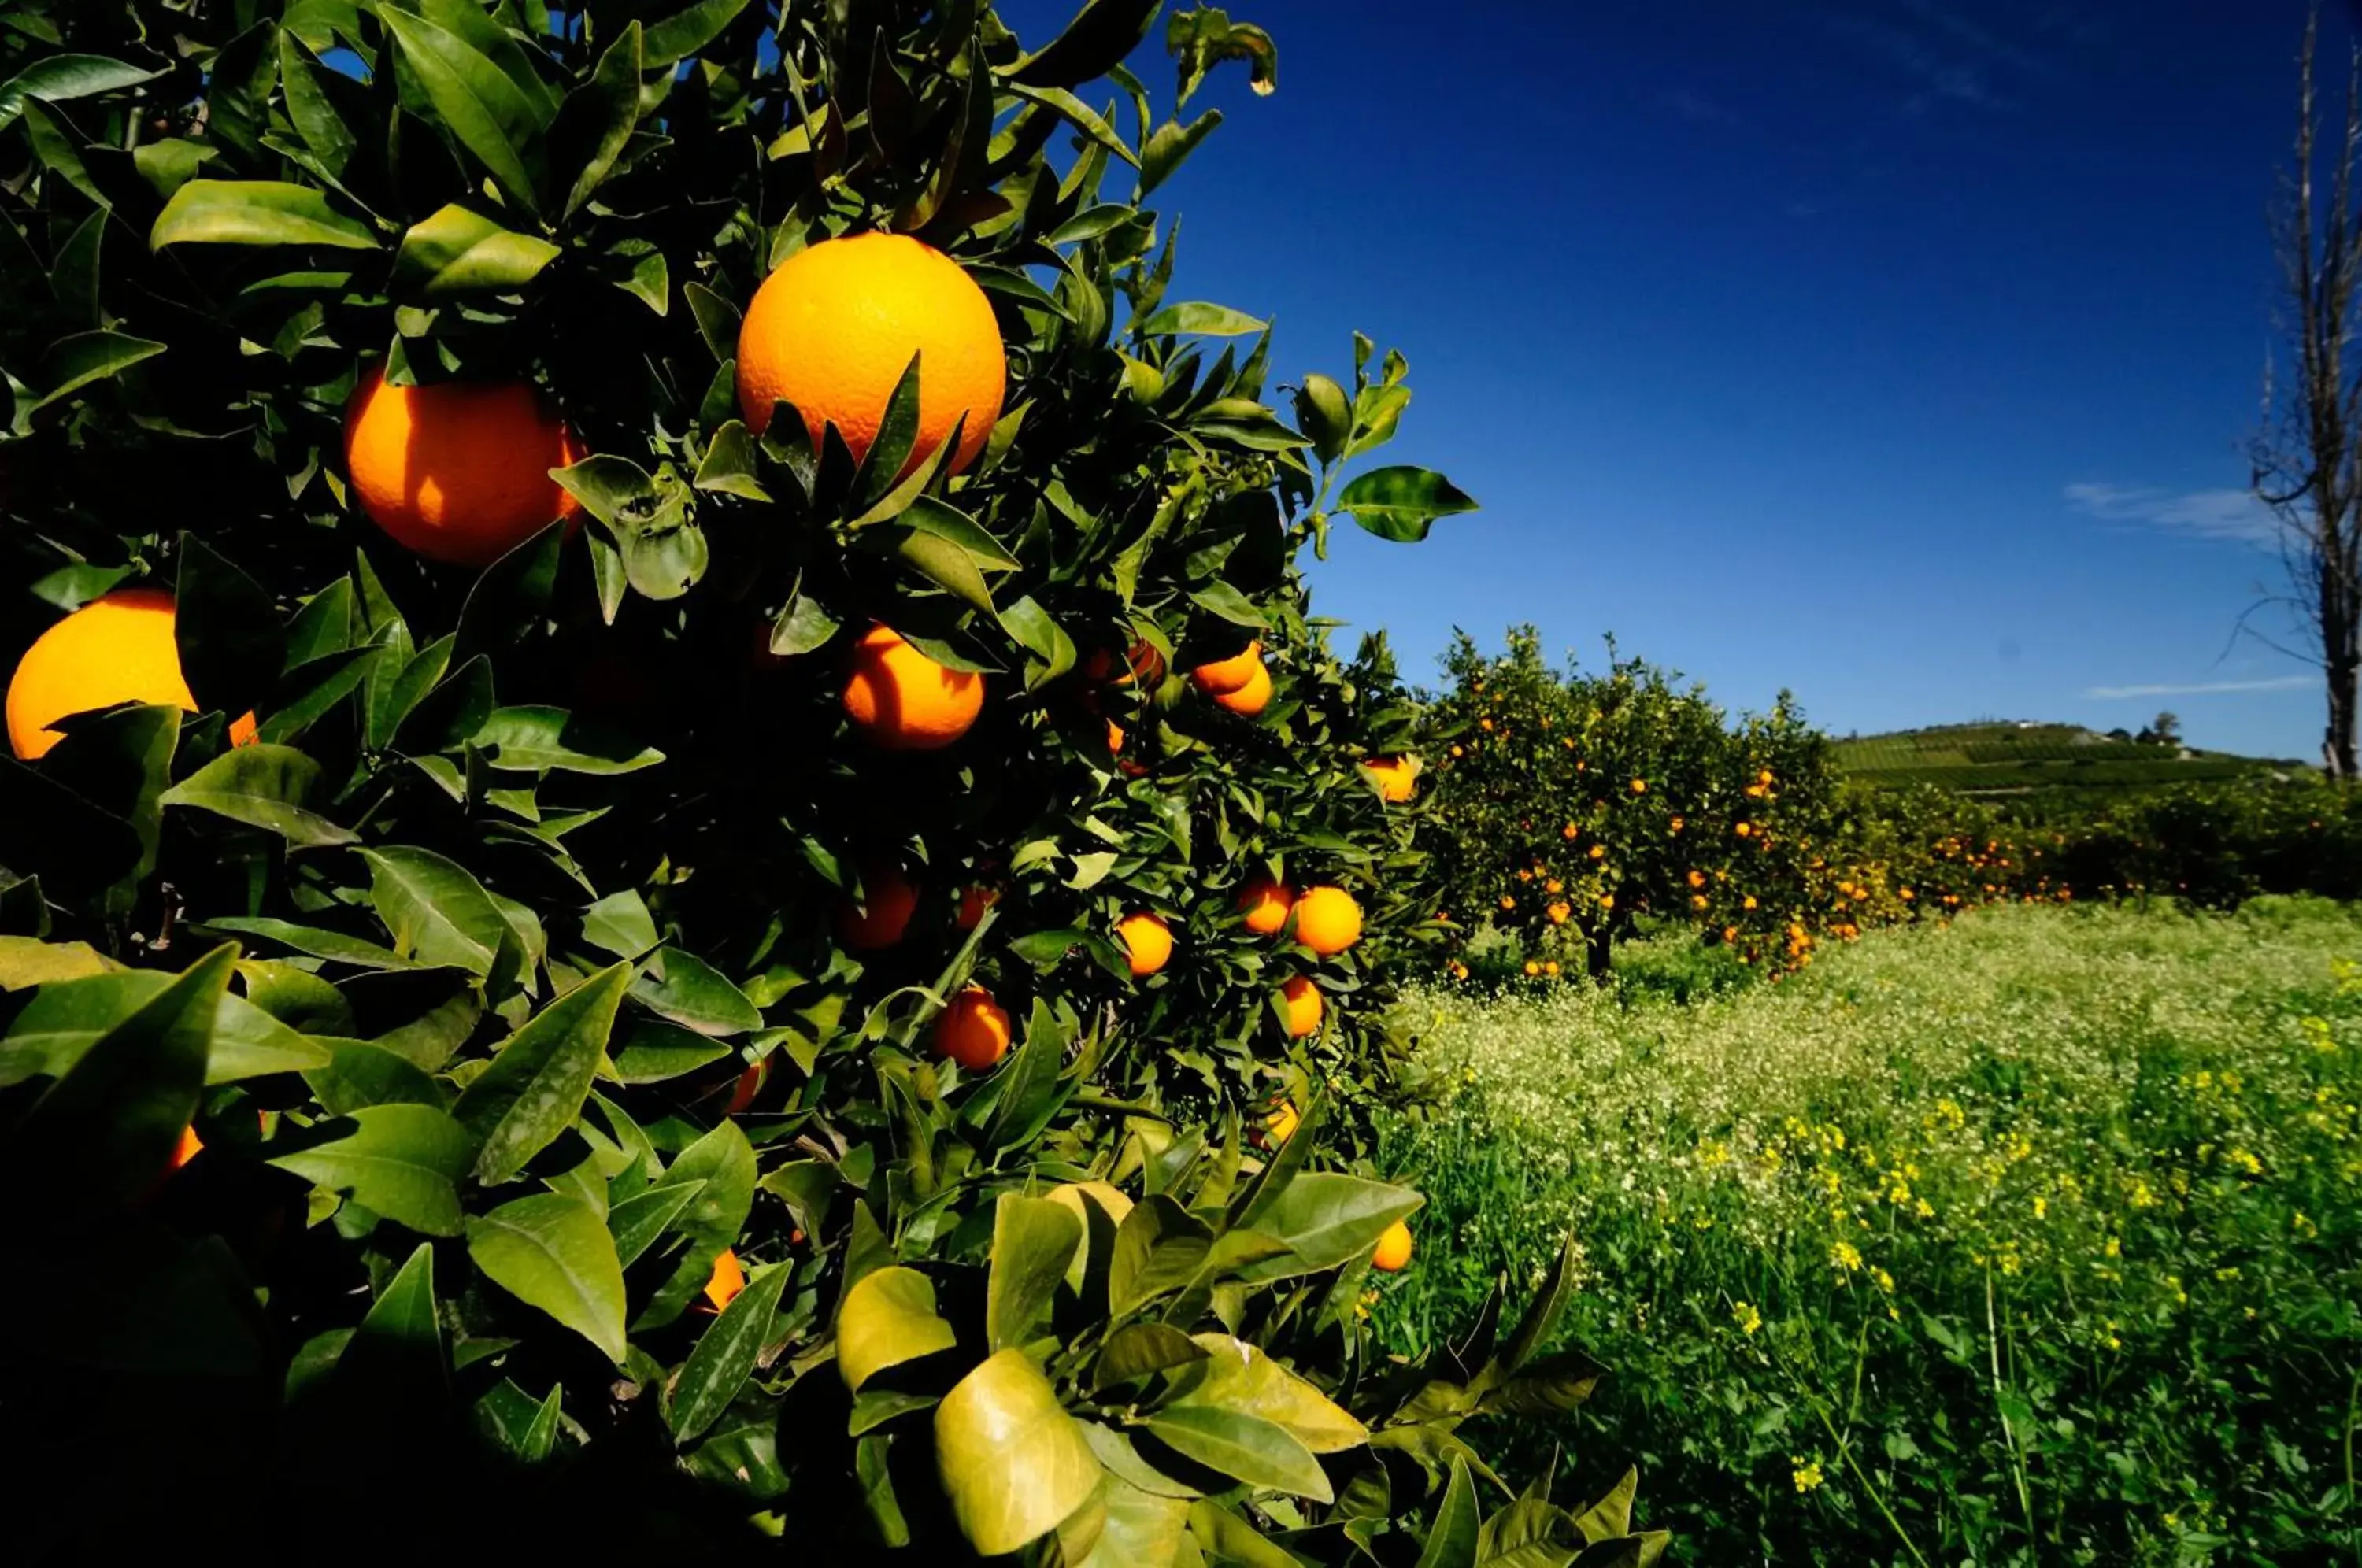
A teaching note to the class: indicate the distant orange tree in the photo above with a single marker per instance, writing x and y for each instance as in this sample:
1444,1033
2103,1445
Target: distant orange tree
1571,810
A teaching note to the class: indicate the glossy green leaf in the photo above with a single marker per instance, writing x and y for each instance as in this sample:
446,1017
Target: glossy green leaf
725,1354
1091,45
400,1161
254,212
1402,502
62,78
620,923
1160,1247
554,1253
106,1128
1198,318
317,942
725,1161
1246,1448
1141,1530
637,1221
689,30
491,117
360,1073
888,1317
1011,1461
436,910
1032,1240
1326,1219
692,993
264,787
1451,1538
538,739
457,251
1239,1377
594,123
534,1087
73,363
1140,1350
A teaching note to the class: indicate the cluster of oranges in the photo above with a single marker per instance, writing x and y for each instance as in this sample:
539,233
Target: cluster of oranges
463,473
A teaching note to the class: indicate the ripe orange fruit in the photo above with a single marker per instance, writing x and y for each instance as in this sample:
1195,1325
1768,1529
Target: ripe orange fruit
187,1149
973,1031
727,1280
1280,1125
1328,921
1147,942
904,700
1393,1253
1265,904
1143,664
879,921
460,472
1301,1000
750,1083
1114,736
1250,699
975,899
1228,674
116,649
834,327
1395,776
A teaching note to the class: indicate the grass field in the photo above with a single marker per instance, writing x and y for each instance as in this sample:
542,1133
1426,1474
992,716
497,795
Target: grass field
2034,1238
2010,758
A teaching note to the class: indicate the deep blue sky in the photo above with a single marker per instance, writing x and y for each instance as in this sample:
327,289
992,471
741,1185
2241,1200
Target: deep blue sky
1898,352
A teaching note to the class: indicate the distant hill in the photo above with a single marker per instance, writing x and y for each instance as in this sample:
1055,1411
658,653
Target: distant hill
2013,758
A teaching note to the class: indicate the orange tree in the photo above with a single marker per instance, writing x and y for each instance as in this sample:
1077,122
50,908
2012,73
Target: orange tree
1571,809
679,861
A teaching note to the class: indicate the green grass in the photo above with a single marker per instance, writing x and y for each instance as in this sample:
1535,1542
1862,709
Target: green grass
2034,1238
1991,758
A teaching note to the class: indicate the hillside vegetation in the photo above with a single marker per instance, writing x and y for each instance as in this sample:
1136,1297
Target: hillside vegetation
1998,757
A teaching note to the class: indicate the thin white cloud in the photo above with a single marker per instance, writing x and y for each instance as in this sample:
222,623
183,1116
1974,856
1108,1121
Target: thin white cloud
2234,514
2201,688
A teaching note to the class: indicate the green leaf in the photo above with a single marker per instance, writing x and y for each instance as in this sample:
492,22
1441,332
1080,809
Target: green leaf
594,124
554,1253
310,106
1140,1350
60,78
1028,1093
317,942
396,1356
725,1354
1042,637
254,212
1197,316
456,252
1239,1377
1141,1530
73,363
888,1317
1080,115
264,787
1541,1320
656,1051
725,1161
400,1161
638,1221
1222,599
1325,414
1326,1219
29,961
360,1073
534,1088
620,923
1032,1240
434,908
482,107
692,993
1402,502
104,1131
1093,44
1245,1448
1171,143
1160,1247
688,30
1010,1459
534,739
1451,1538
